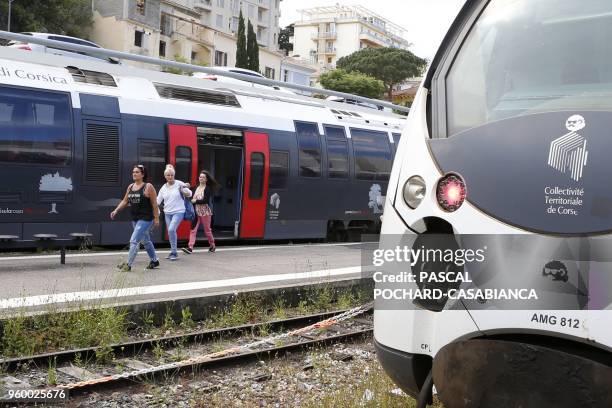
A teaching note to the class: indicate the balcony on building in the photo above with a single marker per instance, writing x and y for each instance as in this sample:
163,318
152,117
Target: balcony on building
373,39
203,5
324,35
328,51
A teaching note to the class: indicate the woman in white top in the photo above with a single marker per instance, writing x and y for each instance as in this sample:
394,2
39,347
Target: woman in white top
171,194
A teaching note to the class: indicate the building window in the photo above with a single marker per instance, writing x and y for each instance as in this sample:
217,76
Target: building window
279,170
252,12
165,25
309,149
372,154
140,7
162,48
270,73
35,127
194,56
220,59
286,75
220,20
337,152
234,24
138,35
221,3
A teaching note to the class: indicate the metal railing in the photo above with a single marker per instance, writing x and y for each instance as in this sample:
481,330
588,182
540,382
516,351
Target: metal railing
106,53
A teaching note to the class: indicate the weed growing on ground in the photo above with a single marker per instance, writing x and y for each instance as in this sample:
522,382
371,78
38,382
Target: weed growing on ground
168,322
158,351
279,308
245,309
148,319
78,361
322,298
187,318
263,330
51,372
104,354
346,300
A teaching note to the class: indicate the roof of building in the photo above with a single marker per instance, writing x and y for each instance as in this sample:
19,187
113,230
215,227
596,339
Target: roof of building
351,12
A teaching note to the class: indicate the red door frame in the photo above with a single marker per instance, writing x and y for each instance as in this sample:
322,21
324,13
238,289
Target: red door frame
184,136
253,211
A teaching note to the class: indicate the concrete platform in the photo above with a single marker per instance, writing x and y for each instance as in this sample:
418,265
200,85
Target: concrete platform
37,282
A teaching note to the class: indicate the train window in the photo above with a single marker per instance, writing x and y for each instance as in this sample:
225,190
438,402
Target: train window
257,176
152,155
183,164
35,127
501,72
337,158
279,170
337,152
334,132
396,138
372,154
309,149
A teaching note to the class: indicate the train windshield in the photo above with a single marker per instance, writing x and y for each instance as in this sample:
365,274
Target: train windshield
524,57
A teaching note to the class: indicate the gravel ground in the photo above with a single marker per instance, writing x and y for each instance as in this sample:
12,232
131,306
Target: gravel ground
341,375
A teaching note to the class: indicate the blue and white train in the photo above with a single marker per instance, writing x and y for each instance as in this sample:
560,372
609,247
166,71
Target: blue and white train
289,166
509,137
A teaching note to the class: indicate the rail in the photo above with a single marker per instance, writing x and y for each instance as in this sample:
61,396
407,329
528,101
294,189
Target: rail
271,346
103,52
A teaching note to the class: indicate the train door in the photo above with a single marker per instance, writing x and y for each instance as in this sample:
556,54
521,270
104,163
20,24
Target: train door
183,154
255,186
221,154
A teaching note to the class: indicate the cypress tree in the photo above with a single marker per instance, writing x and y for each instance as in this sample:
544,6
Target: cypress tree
242,58
252,49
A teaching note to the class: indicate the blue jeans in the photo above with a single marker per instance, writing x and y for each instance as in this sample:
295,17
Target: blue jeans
172,222
141,233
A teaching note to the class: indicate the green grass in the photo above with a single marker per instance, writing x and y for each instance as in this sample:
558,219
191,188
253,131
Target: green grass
23,336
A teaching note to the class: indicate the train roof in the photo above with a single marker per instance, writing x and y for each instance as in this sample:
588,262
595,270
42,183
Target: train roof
129,82
81,75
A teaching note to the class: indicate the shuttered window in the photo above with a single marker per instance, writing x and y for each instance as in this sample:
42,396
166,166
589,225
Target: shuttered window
102,158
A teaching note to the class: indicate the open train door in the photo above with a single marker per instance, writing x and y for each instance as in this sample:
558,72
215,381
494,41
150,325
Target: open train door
183,155
255,186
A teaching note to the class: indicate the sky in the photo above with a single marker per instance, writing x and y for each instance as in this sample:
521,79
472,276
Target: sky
425,21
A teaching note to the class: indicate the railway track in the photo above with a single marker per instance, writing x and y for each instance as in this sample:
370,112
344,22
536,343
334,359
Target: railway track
79,371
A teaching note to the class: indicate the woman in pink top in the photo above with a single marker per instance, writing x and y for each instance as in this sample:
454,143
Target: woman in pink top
202,200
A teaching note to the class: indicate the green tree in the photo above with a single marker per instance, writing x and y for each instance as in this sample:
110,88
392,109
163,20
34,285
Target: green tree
242,58
179,71
67,17
252,49
283,38
390,65
352,82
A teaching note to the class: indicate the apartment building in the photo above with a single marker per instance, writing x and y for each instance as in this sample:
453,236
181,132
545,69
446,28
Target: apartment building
325,34
198,31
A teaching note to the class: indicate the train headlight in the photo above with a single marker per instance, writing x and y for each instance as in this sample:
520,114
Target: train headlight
450,192
414,191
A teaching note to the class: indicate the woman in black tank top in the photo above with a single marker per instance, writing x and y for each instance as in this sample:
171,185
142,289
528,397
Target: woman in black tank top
140,205
142,199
